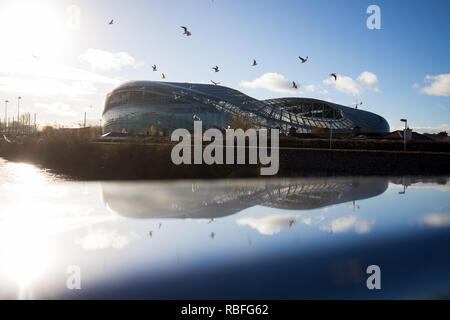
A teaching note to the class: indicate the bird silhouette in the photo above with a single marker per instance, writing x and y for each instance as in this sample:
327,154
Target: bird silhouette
334,76
291,223
154,67
254,63
163,76
216,69
303,59
215,83
186,31
294,85
111,22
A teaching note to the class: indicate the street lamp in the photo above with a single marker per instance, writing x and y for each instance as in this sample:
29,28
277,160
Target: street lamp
18,113
404,133
6,113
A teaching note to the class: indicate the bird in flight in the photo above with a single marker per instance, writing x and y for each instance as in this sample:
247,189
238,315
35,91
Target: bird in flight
111,22
154,67
334,76
216,69
294,85
186,31
303,59
163,75
254,63
215,83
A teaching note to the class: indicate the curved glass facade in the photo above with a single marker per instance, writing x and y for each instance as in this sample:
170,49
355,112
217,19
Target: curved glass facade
149,107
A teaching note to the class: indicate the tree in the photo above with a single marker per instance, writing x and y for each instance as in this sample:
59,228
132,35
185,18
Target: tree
443,134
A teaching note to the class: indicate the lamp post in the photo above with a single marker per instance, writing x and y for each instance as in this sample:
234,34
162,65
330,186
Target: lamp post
404,133
6,113
18,113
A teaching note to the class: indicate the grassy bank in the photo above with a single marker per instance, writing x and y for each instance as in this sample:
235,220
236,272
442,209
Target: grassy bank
80,157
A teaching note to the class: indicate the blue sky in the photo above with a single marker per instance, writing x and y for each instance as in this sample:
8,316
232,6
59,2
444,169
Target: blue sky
408,56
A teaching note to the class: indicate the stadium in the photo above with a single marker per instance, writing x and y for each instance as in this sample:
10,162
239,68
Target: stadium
158,108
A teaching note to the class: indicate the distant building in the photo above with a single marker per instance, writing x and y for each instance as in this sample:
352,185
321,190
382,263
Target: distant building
150,107
412,136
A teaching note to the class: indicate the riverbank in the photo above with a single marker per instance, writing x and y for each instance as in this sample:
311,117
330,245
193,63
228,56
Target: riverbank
139,159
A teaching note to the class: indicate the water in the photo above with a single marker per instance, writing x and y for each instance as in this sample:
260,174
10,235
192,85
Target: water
252,239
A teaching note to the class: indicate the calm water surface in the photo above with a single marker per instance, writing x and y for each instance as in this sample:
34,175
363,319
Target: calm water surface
251,239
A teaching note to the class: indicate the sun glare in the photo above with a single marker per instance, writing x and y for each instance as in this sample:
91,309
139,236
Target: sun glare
32,29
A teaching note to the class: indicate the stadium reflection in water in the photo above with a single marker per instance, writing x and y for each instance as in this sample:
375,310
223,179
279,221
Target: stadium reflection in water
211,200
255,239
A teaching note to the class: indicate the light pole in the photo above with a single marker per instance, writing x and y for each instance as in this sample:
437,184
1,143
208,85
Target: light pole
18,112
6,113
404,133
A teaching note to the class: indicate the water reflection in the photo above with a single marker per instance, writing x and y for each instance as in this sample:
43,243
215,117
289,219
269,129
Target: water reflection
313,237
212,200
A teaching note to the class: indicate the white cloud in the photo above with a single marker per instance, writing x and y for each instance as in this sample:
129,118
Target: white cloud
344,84
437,220
310,88
345,224
271,225
60,109
347,85
45,87
105,60
41,77
369,79
103,239
271,81
439,85
436,129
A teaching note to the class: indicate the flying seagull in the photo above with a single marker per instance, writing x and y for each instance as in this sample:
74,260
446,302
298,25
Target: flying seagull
254,63
186,31
215,83
303,59
163,75
294,85
334,76
216,69
154,67
111,22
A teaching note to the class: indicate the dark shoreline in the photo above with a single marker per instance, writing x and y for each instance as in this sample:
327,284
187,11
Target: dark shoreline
82,159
